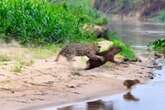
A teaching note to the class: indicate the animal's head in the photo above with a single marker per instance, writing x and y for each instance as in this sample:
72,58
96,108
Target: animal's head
116,49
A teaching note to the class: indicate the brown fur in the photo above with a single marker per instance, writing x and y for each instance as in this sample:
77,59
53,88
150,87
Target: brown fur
77,49
108,56
129,83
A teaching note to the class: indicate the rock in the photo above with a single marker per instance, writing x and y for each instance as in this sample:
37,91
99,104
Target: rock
105,45
99,30
119,58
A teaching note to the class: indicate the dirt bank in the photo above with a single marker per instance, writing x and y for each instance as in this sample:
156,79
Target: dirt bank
47,82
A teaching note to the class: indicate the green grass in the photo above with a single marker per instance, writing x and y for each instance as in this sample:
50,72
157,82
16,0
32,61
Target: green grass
42,22
158,45
101,21
127,51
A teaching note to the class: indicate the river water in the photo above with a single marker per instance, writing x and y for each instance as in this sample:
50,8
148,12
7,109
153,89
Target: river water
150,96
138,33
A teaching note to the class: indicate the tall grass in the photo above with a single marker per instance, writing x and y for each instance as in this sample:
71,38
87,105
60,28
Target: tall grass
40,21
50,21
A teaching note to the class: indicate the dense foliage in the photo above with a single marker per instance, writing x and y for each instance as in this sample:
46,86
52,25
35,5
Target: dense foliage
50,21
159,45
40,21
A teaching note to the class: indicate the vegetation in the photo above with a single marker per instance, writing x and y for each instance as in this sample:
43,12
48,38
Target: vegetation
18,68
127,51
40,21
15,58
50,22
20,64
159,45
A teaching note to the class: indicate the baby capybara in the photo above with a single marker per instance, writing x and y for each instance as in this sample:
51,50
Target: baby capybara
129,83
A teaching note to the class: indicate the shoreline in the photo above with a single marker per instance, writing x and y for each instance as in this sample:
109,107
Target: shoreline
48,82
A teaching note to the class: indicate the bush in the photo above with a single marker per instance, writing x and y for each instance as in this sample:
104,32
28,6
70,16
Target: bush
40,21
158,45
127,51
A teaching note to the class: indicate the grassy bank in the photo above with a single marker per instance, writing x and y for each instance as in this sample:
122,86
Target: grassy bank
50,23
40,21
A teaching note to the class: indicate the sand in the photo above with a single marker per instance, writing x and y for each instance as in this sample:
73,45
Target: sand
49,82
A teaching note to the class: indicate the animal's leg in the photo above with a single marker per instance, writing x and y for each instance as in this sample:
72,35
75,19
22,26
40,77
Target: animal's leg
69,58
95,57
57,58
73,69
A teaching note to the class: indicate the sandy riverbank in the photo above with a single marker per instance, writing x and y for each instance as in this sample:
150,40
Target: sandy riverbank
48,82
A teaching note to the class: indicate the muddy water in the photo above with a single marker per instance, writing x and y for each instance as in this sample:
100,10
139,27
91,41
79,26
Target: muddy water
139,33
150,96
